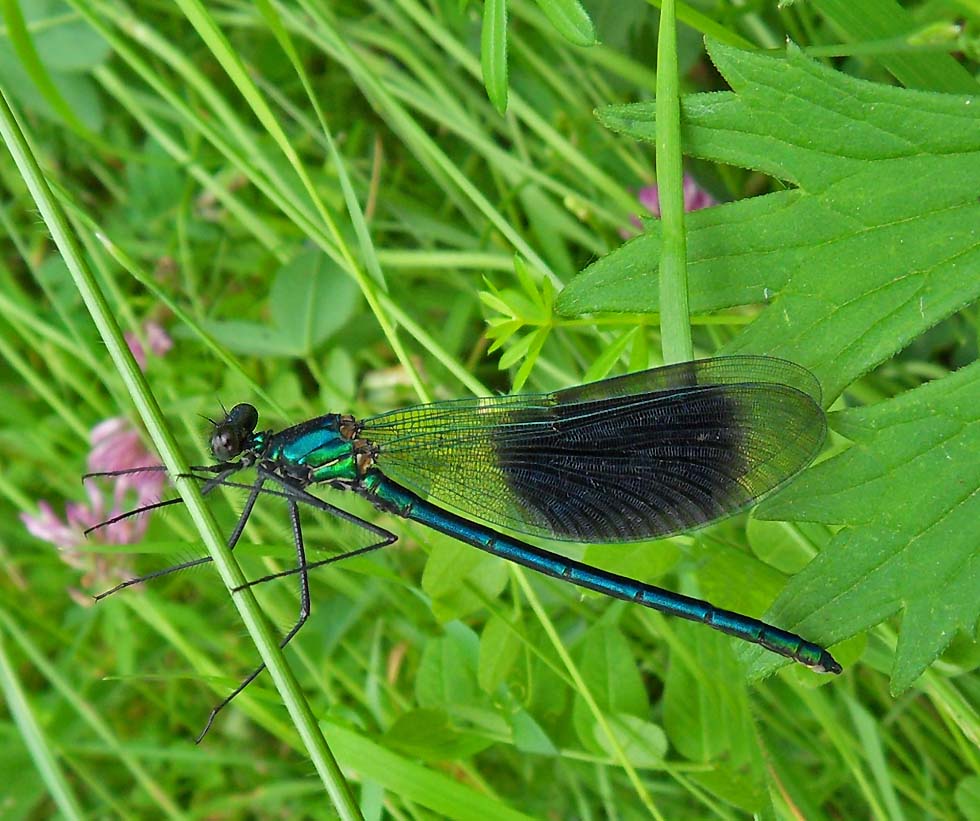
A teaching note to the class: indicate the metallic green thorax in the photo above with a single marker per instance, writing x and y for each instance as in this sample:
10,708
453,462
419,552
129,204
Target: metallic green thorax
320,446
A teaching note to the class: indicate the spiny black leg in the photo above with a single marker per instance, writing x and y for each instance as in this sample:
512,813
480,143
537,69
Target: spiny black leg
130,513
209,485
297,491
304,614
124,472
301,495
253,494
155,575
223,471
231,467
222,467
236,534
350,554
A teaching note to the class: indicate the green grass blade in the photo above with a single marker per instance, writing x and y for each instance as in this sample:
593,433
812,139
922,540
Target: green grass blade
493,52
35,738
675,314
171,456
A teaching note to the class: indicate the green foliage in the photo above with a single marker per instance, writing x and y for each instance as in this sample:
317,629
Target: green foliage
907,492
48,70
854,263
875,243
310,300
569,18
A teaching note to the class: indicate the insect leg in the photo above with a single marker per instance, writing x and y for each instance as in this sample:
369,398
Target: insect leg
236,534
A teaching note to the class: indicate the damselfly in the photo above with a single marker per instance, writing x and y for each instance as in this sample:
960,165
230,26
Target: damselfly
629,458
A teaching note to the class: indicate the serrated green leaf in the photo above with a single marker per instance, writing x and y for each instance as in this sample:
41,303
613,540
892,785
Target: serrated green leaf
908,491
880,240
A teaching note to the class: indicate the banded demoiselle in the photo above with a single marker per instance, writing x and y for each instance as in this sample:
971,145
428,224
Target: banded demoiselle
629,458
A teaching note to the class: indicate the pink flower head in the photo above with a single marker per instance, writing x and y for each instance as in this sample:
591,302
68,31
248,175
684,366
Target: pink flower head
116,445
156,338
695,198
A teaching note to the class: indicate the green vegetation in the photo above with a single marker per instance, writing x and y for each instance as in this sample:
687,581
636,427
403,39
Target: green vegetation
357,206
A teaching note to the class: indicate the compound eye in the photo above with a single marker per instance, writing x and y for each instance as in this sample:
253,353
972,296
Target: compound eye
244,417
226,443
233,435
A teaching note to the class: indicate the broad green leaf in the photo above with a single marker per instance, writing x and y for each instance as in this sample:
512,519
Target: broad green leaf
500,648
607,665
529,737
447,672
706,713
908,493
23,794
708,718
63,40
639,560
643,743
878,240
254,338
734,579
459,578
546,692
154,185
733,784
43,54
429,735
968,797
311,298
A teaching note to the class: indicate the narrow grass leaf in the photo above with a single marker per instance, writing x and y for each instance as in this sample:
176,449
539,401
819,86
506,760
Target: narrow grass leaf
493,52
